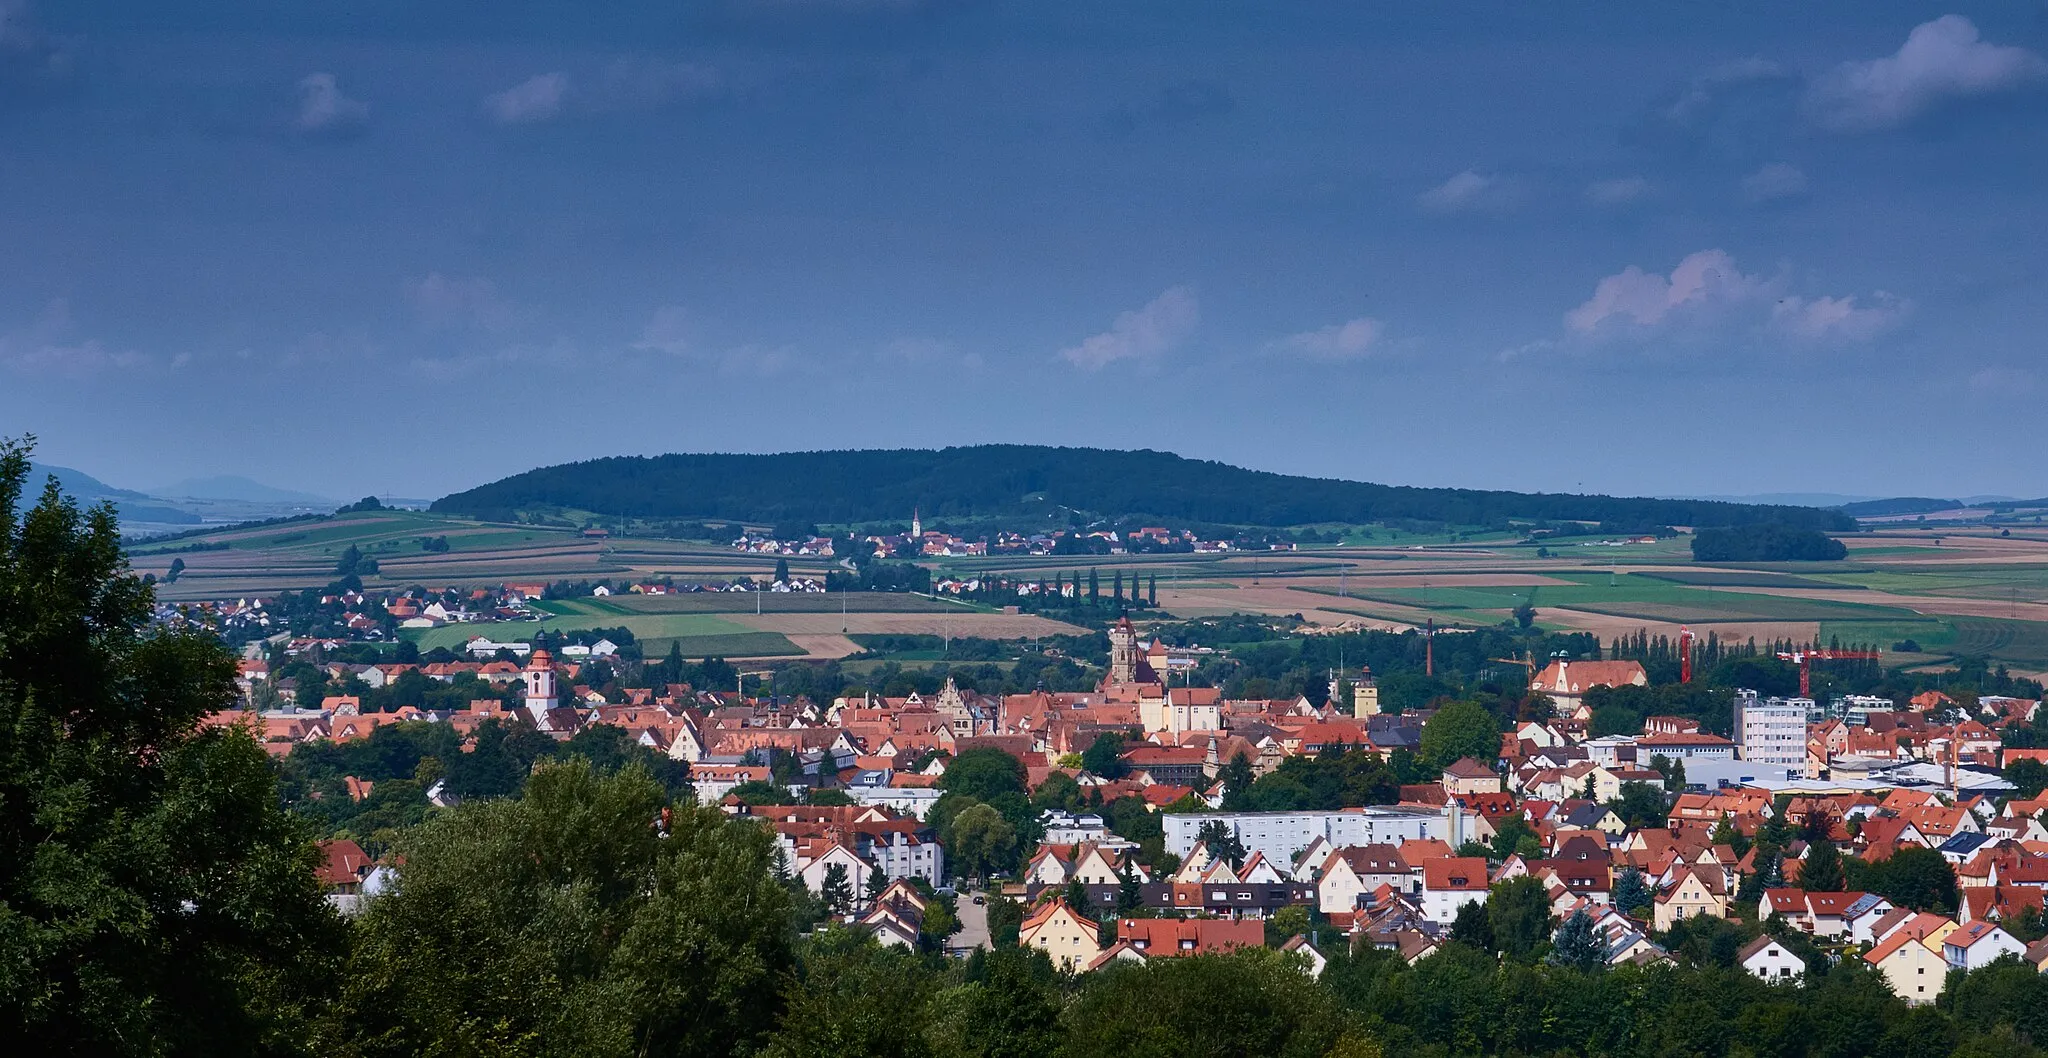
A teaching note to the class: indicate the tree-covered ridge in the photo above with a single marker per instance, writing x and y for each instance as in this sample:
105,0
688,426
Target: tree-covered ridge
843,487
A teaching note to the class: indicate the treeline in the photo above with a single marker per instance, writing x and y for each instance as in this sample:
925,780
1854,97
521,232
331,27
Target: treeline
1766,542
846,487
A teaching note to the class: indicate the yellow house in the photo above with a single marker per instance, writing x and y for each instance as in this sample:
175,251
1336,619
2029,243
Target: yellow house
1694,892
1069,939
1911,958
1466,777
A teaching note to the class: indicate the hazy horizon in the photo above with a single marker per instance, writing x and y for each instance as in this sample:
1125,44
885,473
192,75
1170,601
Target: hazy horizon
408,249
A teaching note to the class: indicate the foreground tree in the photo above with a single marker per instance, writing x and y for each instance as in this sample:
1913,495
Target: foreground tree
154,898
567,922
1250,1002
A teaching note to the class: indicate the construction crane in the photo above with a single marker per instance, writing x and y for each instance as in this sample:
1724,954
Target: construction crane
1805,659
1525,661
740,681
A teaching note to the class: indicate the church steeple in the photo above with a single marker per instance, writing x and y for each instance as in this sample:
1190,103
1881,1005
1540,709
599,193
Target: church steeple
916,523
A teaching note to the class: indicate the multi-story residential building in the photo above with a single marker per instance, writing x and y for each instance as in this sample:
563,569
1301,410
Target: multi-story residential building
1771,731
1281,835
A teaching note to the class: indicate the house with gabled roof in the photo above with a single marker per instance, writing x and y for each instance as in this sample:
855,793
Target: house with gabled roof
1979,944
1767,958
1177,937
1069,938
1821,914
1690,893
1351,873
1911,960
1450,883
1468,776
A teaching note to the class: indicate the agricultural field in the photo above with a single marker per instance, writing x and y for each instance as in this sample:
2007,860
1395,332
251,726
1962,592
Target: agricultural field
696,634
1951,590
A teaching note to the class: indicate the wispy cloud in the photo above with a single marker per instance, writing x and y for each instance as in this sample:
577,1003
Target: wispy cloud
461,301
325,111
623,85
1774,182
1470,191
668,332
1349,340
1941,62
1177,103
33,64
671,332
1620,191
536,99
50,347
1161,325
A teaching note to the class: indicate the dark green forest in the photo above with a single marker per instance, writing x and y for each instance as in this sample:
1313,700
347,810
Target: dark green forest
847,487
1765,543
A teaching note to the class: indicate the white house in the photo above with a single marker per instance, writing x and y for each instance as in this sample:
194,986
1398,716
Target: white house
1351,874
1977,945
1768,959
1449,883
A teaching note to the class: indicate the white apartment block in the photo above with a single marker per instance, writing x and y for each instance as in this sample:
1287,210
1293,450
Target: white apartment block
1280,835
1771,730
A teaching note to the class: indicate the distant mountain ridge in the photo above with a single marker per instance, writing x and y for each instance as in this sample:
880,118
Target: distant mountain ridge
236,487
80,485
841,487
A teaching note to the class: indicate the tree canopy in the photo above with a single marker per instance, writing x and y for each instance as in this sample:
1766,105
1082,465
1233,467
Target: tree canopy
843,487
1460,729
590,916
154,896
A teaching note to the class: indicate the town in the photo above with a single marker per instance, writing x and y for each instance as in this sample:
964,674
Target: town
1118,824
997,529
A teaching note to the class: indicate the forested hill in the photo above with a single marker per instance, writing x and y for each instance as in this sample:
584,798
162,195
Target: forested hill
995,480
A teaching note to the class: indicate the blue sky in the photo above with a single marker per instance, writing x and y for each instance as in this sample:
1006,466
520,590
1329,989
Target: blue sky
406,248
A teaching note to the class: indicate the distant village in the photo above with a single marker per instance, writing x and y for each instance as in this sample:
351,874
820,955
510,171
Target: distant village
1135,857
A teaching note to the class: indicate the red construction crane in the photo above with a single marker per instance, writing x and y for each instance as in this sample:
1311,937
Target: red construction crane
1805,659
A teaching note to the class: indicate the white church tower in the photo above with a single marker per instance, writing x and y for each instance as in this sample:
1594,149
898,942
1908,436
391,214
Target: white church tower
539,676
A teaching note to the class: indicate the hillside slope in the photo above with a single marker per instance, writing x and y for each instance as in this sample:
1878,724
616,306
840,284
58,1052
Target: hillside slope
994,480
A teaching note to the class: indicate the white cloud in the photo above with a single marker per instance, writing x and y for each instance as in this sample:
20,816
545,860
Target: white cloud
1632,295
462,301
1706,294
1162,324
1338,341
538,98
1941,61
1838,319
1620,191
1468,191
1778,180
324,109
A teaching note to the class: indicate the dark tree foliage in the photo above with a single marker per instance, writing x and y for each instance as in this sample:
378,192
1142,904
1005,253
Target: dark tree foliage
154,897
1914,876
1255,1003
1764,542
1222,842
569,922
984,773
866,486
